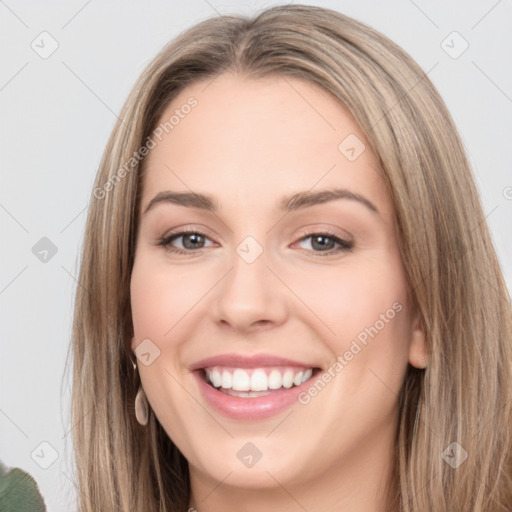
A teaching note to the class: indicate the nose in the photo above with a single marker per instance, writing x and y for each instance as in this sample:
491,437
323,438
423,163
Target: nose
250,297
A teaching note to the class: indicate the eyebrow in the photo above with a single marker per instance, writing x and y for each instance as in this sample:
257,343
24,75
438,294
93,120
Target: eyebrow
296,201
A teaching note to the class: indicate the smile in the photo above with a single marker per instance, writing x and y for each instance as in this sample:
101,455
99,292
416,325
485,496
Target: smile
251,387
249,383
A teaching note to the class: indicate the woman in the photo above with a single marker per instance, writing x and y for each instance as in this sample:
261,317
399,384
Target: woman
289,297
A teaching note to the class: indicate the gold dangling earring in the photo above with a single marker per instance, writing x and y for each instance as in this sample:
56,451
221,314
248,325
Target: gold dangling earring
141,404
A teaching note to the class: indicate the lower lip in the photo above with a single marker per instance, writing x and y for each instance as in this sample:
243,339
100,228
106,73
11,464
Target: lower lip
250,409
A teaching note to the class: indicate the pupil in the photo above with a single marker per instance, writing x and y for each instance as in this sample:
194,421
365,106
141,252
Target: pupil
192,236
321,245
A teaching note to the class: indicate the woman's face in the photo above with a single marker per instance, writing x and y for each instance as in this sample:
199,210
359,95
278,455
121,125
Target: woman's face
290,272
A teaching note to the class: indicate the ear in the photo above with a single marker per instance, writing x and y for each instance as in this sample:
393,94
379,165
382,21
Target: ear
133,346
418,356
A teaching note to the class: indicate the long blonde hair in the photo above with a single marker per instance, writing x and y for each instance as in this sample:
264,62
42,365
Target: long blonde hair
452,270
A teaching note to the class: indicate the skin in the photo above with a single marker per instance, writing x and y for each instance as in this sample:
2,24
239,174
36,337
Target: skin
249,142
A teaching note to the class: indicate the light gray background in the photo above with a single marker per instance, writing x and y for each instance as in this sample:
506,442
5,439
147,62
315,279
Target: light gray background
56,115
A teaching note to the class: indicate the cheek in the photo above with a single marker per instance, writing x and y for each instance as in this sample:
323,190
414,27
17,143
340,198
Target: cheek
160,297
159,300
365,309
353,298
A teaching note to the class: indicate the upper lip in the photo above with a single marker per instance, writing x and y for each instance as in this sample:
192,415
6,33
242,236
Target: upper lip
247,361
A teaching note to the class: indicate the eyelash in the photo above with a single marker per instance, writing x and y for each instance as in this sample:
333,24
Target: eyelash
345,246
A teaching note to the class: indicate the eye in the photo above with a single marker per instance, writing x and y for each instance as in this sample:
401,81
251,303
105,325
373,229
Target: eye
325,242
192,240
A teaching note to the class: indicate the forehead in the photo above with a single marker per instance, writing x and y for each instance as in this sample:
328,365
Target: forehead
259,138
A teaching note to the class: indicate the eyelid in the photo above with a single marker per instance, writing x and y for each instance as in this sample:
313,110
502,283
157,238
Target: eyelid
180,232
344,243
317,229
189,228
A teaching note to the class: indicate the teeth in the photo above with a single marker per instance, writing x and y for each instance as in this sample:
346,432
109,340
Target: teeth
259,379
227,380
216,378
241,380
307,375
288,379
275,380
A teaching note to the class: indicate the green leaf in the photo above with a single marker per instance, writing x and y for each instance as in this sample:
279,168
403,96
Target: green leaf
19,492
